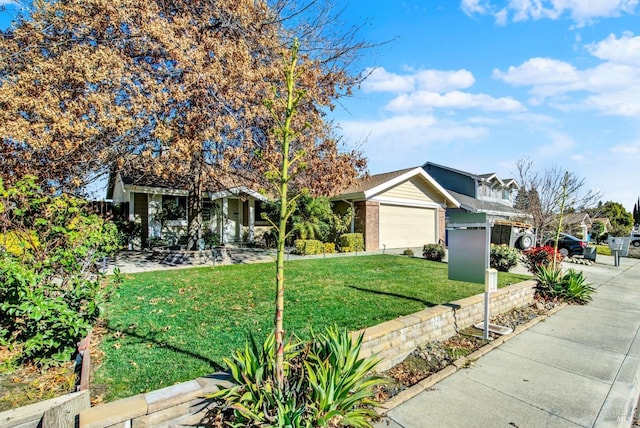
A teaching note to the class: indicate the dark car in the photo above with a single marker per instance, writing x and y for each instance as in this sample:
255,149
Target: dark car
568,245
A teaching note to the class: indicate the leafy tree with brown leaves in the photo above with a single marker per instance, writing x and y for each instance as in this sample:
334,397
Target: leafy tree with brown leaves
169,89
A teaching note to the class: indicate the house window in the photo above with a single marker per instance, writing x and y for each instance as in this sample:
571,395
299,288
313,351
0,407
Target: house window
506,194
174,207
260,208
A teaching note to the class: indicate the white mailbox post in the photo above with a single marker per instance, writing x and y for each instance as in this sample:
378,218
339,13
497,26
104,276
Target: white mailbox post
490,285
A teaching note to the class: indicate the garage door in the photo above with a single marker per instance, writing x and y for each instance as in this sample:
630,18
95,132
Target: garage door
402,227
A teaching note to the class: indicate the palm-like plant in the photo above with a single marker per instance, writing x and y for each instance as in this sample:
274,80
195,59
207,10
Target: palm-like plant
326,384
312,218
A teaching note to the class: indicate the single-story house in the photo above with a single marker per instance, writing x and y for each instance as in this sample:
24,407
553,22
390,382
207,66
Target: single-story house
230,215
398,209
605,222
577,224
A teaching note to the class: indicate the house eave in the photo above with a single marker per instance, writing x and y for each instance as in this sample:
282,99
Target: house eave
449,200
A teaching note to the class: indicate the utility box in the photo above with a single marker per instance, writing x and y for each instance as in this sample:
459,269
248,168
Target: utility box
590,253
468,242
620,244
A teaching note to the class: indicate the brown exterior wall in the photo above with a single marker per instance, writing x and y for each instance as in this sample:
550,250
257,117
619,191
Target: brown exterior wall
367,222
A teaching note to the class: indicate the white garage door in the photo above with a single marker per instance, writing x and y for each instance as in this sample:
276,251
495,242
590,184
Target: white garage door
402,227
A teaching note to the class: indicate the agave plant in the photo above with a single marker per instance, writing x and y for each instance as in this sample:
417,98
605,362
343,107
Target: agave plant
326,384
549,279
340,385
575,288
570,286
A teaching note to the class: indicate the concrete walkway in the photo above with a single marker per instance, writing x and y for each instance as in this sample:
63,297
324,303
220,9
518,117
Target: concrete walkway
139,261
579,368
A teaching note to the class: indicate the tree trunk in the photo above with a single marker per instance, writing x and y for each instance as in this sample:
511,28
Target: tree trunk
194,203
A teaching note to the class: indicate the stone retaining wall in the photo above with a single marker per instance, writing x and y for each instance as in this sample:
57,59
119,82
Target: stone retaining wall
394,340
174,406
182,404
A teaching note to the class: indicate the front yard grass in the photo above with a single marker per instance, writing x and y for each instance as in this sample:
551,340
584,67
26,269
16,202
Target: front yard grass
171,326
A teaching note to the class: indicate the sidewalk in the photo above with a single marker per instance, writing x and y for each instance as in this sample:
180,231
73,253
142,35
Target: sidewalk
579,368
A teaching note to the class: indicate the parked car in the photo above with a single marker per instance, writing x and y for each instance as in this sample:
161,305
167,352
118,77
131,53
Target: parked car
635,239
568,245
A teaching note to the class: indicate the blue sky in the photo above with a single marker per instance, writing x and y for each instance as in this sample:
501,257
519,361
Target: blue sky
478,84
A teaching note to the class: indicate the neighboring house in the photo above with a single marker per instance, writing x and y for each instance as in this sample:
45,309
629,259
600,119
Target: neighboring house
577,224
605,222
230,215
398,209
484,193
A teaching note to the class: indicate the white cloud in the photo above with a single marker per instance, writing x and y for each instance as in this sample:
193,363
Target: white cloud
386,127
539,71
502,16
452,100
613,85
474,6
625,50
583,12
408,130
628,150
444,81
380,80
560,144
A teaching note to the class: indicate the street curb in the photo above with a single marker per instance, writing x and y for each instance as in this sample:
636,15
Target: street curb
461,363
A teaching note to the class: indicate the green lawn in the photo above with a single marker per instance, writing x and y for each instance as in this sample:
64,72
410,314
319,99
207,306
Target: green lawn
170,326
602,249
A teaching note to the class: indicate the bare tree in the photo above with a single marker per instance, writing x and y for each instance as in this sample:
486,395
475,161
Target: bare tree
544,193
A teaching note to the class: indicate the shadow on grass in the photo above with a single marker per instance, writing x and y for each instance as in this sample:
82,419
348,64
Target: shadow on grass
151,338
400,296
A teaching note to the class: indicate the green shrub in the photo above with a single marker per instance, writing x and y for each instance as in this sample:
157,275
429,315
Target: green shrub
603,250
407,252
351,242
548,280
307,247
575,288
329,247
570,287
326,384
537,257
503,257
50,290
434,252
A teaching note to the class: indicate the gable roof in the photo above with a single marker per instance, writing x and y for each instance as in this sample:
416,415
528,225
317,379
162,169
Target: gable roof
577,218
604,220
371,186
488,177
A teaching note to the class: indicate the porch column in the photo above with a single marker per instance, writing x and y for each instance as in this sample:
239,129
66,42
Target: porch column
223,220
132,213
252,219
239,221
